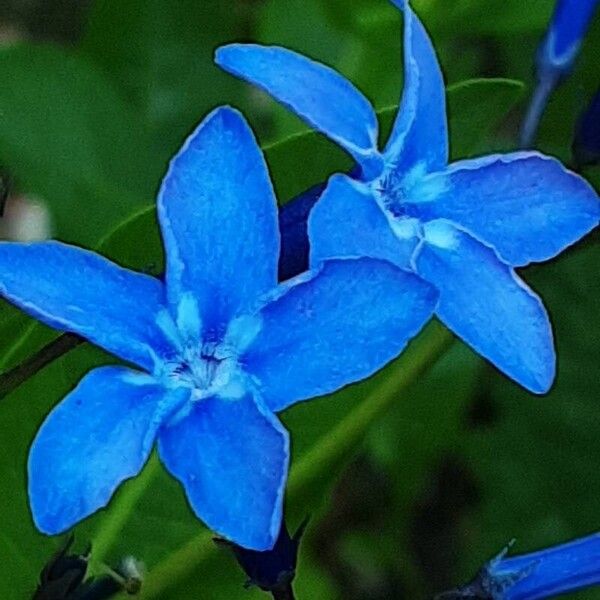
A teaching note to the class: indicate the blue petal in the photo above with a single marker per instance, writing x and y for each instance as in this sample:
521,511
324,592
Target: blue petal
488,306
315,92
231,457
75,290
420,133
218,216
334,328
550,572
347,222
98,436
526,205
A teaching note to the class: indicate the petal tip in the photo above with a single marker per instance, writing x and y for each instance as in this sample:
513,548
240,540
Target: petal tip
46,522
228,116
222,53
539,377
544,382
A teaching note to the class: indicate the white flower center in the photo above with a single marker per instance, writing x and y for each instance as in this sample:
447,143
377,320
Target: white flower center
208,368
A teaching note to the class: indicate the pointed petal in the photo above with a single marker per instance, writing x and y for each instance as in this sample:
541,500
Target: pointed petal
526,205
488,306
98,436
420,133
231,456
560,569
75,290
316,93
218,215
336,327
347,222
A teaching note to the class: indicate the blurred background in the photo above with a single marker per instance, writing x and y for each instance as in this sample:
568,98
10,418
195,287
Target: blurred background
96,95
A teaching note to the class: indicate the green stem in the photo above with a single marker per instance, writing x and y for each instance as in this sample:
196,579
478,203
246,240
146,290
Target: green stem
424,352
178,566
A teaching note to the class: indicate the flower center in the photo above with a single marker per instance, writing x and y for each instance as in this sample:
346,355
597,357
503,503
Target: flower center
205,364
207,368
402,194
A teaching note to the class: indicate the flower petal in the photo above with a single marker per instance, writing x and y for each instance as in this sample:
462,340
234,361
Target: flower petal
75,290
488,306
526,205
347,222
547,573
231,456
335,327
218,216
322,97
98,436
420,133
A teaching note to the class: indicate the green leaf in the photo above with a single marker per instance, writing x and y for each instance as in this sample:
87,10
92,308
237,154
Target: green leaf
12,324
490,100
468,17
159,54
67,136
408,445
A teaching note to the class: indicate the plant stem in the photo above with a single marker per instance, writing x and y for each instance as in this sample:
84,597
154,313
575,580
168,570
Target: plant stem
13,378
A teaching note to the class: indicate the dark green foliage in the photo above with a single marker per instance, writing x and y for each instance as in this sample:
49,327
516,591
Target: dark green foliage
465,459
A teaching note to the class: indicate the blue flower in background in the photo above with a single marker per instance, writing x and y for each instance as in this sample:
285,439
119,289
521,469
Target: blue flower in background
561,44
221,346
586,143
543,574
461,227
556,56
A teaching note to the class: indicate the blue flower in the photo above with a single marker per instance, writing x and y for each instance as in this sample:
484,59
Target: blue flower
556,56
221,346
561,44
462,227
586,143
543,574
